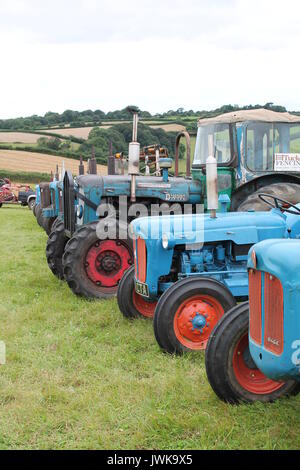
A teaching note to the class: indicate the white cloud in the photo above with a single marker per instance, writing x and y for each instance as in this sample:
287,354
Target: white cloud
107,54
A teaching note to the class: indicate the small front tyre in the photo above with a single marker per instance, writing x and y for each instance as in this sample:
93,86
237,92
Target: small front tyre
55,248
130,303
187,313
230,369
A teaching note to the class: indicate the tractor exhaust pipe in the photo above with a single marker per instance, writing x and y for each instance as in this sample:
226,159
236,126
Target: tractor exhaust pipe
134,154
93,163
81,167
212,182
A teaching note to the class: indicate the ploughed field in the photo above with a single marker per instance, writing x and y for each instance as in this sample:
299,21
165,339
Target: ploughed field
15,160
79,375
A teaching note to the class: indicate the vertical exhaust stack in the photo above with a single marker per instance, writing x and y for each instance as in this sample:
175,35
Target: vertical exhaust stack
93,163
81,167
134,153
111,169
212,181
57,174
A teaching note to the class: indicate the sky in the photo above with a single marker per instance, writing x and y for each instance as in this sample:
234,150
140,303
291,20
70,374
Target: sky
156,54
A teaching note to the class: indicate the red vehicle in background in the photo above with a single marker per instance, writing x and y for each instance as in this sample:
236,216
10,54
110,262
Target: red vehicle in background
16,194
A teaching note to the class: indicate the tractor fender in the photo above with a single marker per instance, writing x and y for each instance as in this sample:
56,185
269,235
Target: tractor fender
246,189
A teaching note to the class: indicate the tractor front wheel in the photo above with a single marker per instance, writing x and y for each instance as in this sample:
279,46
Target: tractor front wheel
187,313
93,268
230,369
130,303
39,215
288,191
55,248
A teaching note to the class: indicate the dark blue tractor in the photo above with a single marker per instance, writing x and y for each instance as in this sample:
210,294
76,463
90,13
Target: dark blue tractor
254,351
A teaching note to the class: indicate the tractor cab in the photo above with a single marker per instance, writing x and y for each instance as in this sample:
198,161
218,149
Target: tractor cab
254,149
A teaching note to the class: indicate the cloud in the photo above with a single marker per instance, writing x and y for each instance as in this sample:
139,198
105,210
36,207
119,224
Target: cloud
159,55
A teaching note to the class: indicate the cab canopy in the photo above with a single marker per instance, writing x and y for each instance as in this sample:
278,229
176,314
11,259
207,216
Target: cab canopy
271,140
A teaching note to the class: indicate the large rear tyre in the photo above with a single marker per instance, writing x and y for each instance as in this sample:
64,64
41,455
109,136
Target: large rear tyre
55,248
130,303
230,369
289,191
93,268
187,313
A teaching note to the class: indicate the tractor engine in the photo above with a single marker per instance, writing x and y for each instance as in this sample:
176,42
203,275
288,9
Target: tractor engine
224,261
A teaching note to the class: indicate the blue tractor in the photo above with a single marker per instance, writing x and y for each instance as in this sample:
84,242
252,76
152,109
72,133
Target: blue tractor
92,266
189,270
247,146
253,353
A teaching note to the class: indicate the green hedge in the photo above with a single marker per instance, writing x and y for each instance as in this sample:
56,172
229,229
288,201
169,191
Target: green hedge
24,177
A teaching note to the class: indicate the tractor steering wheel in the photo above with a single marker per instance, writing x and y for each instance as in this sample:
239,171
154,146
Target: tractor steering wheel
276,204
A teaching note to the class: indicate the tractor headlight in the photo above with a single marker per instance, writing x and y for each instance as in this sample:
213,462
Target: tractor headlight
165,241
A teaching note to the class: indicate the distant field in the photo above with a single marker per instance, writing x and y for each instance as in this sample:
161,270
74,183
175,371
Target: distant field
11,137
36,162
80,132
169,127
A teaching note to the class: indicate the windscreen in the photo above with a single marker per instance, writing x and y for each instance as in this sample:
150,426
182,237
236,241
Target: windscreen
213,140
266,140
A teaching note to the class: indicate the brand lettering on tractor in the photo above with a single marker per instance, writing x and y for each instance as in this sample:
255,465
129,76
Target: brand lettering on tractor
175,197
273,341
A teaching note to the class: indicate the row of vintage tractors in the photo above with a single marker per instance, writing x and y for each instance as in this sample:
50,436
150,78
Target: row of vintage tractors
188,269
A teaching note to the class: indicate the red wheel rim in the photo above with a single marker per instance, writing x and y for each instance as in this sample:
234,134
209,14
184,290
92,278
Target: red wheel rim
251,378
195,319
106,261
146,309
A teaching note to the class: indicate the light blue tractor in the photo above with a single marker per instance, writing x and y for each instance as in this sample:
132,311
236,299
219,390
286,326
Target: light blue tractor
253,353
190,269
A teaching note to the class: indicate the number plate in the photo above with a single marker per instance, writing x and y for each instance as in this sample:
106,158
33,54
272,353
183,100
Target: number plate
141,289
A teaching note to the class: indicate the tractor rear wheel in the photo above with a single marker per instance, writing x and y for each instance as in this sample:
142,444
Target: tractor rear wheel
130,303
288,191
93,268
230,369
55,248
187,313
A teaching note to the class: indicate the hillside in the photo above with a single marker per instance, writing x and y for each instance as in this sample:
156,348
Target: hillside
13,160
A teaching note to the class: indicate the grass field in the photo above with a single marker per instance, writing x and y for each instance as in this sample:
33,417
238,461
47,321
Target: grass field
78,375
16,160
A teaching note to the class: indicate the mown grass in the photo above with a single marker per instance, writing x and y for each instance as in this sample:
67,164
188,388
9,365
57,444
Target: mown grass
78,375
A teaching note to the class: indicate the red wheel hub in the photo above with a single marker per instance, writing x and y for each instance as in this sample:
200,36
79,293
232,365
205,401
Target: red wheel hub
195,319
247,374
146,309
106,261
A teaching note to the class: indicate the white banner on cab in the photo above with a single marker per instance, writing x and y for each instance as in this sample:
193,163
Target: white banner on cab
287,162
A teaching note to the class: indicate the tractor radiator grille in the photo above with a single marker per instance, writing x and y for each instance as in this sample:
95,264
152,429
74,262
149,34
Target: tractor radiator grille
255,305
141,260
45,195
69,204
273,335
